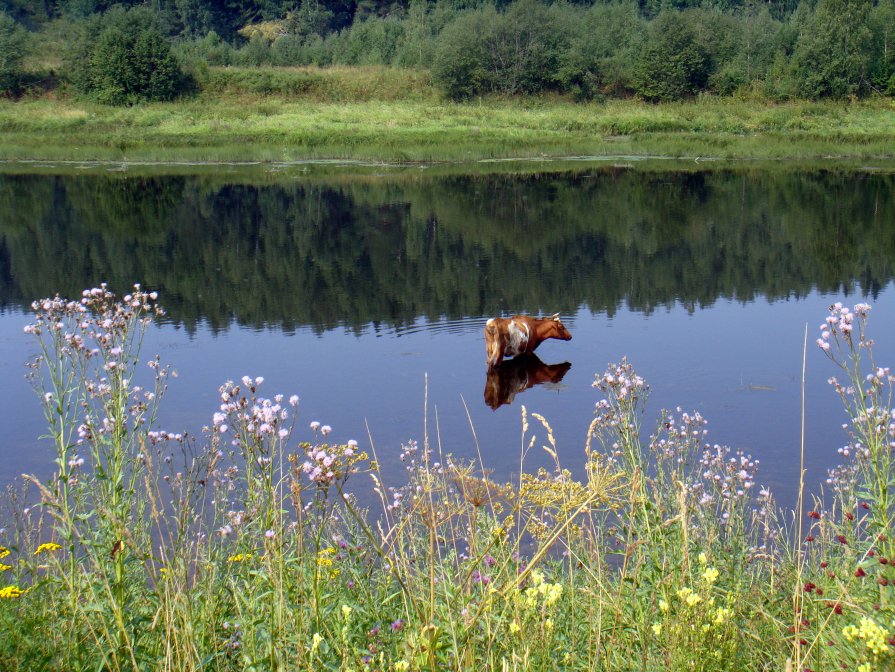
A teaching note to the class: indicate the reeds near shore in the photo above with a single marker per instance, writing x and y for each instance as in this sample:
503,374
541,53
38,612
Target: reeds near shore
243,549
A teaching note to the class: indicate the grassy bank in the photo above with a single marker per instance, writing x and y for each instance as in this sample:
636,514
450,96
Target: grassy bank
385,115
241,549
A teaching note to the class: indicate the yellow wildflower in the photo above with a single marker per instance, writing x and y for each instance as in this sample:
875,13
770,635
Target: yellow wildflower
402,666
346,612
664,606
865,667
710,575
514,628
548,625
871,633
240,557
49,547
721,615
703,560
4,551
657,629
3,567
11,592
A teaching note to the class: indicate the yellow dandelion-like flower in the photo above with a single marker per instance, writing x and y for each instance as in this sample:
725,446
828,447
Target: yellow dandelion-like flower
48,547
710,575
656,628
3,567
514,628
240,557
11,592
4,551
721,615
865,667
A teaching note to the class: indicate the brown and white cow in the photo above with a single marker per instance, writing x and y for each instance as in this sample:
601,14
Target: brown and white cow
520,334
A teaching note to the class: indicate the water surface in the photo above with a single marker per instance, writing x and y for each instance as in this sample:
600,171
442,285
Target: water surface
365,293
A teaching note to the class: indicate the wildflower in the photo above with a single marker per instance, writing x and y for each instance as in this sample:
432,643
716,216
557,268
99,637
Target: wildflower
48,547
721,615
402,666
710,575
270,534
514,628
3,567
548,625
397,625
346,612
871,633
316,640
656,628
11,592
240,557
4,551
860,573
703,560
664,606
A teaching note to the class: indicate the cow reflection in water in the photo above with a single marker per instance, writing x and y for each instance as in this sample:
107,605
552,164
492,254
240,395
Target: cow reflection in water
512,376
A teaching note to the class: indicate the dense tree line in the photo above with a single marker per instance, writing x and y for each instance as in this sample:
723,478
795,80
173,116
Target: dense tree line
301,252
656,49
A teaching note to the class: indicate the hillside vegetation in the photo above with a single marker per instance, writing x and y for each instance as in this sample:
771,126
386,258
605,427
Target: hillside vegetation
131,51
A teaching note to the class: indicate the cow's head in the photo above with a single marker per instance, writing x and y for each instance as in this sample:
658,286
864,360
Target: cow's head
558,329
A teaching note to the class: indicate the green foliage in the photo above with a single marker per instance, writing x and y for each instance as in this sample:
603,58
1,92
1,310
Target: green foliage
832,55
12,51
123,58
509,53
458,65
602,47
673,63
882,66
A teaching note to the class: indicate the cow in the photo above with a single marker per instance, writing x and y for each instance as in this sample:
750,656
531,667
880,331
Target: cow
520,334
504,382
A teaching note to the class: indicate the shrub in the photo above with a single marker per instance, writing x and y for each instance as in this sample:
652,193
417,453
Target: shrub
672,65
12,48
510,53
832,54
123,57
601,50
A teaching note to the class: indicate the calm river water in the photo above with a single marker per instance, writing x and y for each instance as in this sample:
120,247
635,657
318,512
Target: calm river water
365,291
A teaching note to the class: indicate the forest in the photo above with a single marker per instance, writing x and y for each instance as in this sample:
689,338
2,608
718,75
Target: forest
586,50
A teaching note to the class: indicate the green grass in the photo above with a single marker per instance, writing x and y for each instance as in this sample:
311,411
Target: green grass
378,114
243,551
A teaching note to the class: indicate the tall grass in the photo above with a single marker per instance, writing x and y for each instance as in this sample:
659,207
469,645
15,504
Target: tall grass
246,548
260,115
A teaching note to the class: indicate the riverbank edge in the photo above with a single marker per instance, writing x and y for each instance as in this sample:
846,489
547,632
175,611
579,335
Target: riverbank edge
277,131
